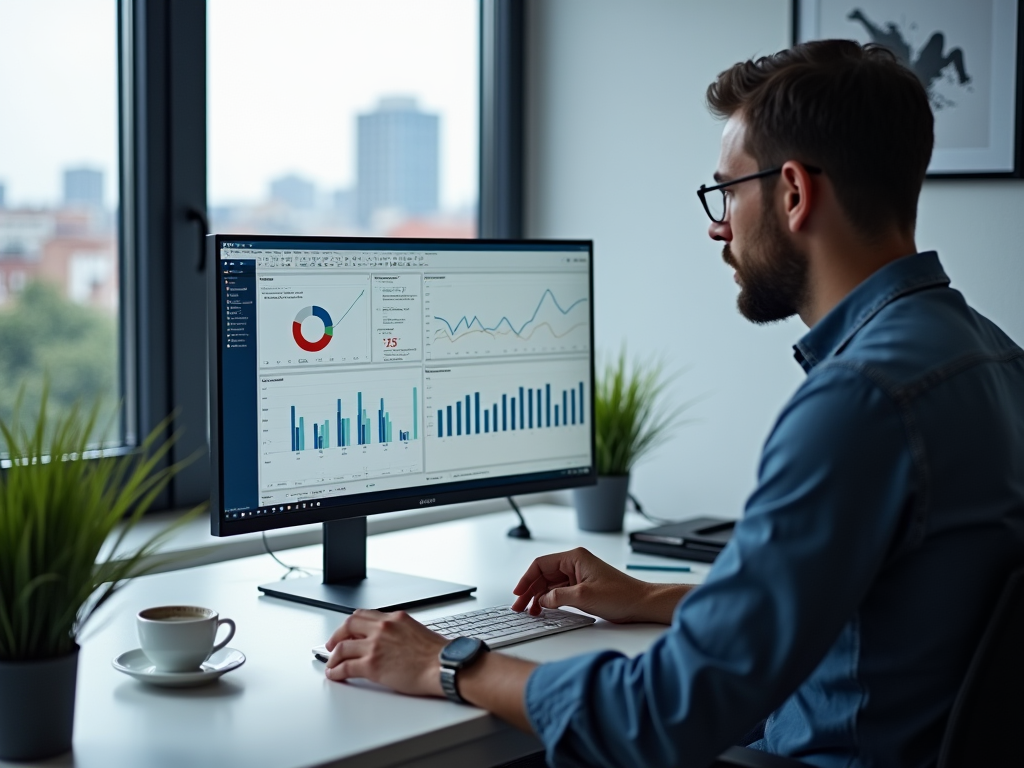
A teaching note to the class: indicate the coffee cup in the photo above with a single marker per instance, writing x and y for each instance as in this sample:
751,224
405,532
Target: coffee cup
179,638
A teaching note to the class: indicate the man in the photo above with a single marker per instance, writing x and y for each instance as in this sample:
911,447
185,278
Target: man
890,499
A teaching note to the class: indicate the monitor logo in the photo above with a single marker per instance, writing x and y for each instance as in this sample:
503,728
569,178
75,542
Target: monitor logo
427,501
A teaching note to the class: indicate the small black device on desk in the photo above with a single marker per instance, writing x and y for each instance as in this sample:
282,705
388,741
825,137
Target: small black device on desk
701,538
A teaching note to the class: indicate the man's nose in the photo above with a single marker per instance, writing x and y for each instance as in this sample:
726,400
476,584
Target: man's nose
721,231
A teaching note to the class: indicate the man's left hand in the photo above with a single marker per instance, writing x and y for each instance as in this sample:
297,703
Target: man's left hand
392,649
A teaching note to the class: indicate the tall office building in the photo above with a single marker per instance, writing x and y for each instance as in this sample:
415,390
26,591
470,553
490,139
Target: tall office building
83,188
294,191
3,195
398,158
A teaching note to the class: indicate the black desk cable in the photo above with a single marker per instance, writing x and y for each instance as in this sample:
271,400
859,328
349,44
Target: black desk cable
520,531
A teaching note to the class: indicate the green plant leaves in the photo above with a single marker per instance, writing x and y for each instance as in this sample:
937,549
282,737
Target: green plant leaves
631,418
58,509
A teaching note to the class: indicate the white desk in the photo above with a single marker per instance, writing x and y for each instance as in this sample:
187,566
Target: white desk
278,710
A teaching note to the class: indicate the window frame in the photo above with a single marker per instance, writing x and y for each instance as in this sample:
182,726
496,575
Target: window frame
163,177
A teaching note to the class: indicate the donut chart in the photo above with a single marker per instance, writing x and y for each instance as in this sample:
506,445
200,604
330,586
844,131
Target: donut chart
302,341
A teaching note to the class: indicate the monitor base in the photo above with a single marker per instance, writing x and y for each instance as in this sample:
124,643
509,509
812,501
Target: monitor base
380,590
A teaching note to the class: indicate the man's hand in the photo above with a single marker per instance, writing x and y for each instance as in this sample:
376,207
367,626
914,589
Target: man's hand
388,648
397,651
580,580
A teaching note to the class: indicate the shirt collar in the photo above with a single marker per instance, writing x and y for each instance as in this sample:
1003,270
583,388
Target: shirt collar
896,279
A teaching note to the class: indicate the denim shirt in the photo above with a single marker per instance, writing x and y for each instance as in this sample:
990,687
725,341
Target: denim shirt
888,511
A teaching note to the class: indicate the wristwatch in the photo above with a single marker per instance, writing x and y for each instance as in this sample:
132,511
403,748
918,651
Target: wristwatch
458,654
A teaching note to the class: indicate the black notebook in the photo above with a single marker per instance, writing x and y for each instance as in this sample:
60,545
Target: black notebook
701,538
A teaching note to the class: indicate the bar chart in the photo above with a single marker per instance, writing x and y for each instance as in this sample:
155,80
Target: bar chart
481,316
507,413
527,407
318,427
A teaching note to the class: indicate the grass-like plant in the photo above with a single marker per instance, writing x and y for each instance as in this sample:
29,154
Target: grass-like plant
59,506
631,415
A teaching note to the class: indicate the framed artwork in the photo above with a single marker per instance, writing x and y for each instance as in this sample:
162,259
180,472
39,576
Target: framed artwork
968,55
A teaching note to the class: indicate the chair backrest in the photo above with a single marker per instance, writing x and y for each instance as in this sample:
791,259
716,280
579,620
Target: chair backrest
986,724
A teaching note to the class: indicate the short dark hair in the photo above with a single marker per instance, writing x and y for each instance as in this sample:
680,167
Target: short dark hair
854,111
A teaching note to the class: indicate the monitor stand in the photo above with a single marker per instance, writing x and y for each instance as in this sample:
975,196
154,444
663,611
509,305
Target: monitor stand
348,584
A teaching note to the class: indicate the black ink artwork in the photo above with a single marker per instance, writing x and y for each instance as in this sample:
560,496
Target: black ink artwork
930,61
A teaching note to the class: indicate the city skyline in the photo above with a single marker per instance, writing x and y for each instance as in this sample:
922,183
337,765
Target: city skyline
334,59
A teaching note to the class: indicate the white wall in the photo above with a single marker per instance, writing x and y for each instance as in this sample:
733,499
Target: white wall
618,140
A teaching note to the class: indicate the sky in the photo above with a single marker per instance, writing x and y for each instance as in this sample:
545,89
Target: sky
286,80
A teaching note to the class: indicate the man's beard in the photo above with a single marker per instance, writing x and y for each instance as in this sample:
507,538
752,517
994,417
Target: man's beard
773,276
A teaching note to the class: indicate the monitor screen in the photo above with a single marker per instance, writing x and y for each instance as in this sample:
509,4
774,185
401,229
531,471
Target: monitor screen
356,376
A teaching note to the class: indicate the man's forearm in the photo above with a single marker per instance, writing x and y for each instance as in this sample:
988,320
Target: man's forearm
660,601
497,683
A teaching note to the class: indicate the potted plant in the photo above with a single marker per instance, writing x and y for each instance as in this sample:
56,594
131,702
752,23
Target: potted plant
630,420
60,504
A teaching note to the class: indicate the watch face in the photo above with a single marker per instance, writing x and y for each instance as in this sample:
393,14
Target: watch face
460,650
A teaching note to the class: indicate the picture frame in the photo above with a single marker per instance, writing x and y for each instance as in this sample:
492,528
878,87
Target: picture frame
969,54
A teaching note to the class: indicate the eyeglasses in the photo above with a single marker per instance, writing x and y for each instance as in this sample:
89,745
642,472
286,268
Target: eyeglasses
717,206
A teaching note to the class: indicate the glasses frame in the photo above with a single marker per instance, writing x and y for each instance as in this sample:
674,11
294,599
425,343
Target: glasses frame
750,177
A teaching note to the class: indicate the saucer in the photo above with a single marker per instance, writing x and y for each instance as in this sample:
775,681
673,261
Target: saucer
136,664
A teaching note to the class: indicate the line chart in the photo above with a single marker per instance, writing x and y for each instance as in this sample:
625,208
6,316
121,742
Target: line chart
506,315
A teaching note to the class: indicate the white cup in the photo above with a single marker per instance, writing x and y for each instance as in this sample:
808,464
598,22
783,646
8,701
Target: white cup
179,638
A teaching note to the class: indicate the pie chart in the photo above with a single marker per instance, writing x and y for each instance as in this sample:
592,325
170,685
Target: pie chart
318,344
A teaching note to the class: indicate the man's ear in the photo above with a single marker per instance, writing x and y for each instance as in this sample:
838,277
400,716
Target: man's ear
797,195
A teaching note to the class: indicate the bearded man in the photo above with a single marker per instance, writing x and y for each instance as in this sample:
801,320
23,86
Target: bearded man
831,628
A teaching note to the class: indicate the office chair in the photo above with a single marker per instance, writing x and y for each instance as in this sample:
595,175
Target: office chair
988,712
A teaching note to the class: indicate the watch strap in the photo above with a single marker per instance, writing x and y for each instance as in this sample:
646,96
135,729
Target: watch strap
449,686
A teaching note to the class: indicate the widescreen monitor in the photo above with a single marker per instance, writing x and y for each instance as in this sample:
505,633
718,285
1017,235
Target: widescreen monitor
351,377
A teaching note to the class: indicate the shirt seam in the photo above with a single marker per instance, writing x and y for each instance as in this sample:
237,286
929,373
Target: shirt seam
915,443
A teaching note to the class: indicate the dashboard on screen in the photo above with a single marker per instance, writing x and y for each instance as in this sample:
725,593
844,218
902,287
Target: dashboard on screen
360,376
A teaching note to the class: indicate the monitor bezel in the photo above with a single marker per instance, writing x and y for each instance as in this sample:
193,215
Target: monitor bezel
393,500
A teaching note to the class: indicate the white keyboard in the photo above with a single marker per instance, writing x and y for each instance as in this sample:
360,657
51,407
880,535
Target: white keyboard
501,626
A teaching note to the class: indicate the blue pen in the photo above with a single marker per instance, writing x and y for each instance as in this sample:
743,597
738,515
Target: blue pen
677,568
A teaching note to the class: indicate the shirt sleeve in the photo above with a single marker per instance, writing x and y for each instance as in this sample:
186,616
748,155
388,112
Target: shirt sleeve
835,477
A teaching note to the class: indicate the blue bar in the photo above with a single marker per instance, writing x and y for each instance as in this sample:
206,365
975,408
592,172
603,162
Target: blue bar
556,415
487,422
494,418
359,414
530,409
293,428
547,399
476,418
522,400
574,406
440,424
449,421
468,429
504,413
540,410
513,414
458,418
565,407
382,422
581,402
316,439
302,433
341,434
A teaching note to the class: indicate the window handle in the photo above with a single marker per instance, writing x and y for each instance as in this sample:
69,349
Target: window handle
194,214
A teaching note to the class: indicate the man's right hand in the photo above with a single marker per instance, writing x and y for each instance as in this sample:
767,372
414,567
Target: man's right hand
580,580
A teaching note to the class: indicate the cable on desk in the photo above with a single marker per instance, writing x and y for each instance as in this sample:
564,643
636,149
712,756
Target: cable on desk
650,518
289,569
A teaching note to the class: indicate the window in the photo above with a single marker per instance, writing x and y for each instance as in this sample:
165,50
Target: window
344,117
59,263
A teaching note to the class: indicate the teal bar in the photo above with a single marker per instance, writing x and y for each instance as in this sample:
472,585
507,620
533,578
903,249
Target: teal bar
325,441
